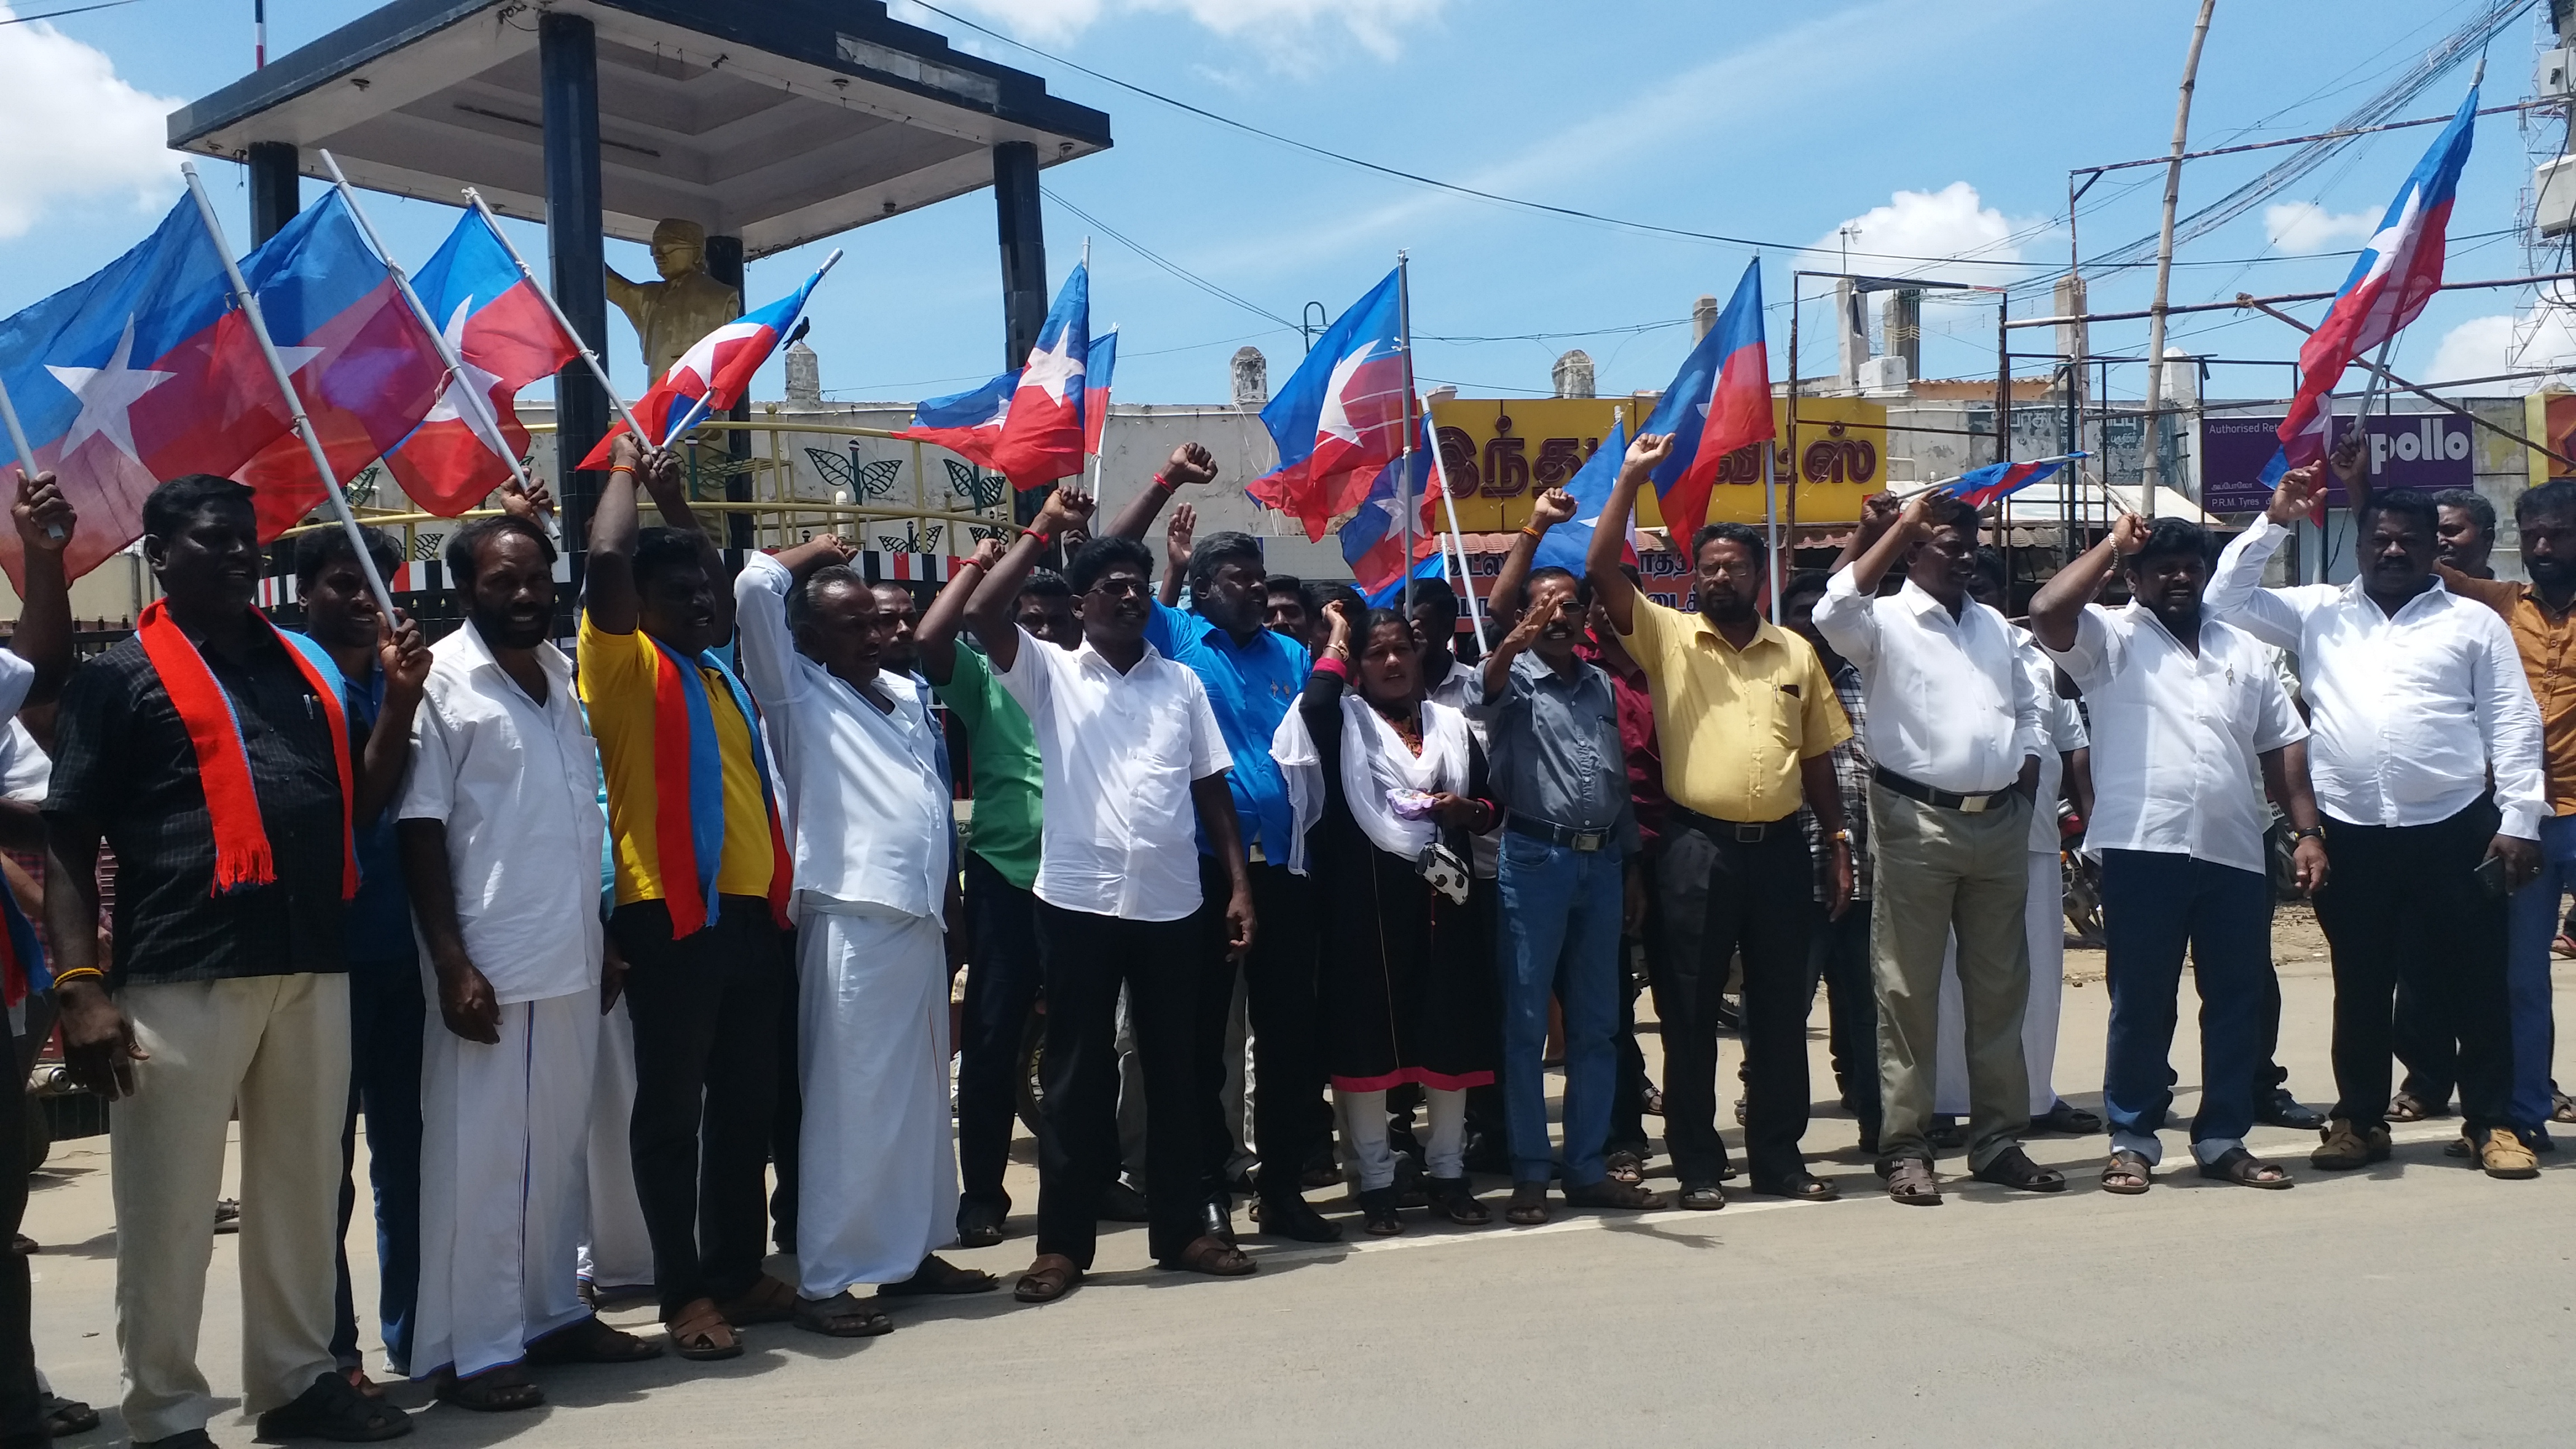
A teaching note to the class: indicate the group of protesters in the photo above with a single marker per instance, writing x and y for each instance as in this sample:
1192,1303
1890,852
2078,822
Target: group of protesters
638,962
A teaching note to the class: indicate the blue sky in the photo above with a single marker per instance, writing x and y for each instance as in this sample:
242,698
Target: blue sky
1936,125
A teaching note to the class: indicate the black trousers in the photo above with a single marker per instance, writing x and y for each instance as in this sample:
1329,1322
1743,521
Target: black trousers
1291,1121
1722,896
705,1011
1086,957
2402,908
1838,959
1001,989
2431,1059
22,1408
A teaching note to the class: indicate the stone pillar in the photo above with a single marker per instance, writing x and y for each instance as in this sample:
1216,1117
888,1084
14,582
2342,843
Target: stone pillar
1251,373
568,68
1024,287
1703,317
804,376
276,188
1573,374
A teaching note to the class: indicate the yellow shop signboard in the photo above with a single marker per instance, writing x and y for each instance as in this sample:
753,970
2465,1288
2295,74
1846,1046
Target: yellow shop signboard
1500,454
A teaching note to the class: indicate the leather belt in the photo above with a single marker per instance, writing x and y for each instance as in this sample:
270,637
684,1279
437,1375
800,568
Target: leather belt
1553,834
1947,800
1734,830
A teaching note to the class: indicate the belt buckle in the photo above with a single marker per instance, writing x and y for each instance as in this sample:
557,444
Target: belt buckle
1586,840
1750,834
1975,804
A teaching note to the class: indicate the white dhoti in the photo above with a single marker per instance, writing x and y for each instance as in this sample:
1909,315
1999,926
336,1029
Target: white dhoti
2045,919
504,1147
616,1253
878,1186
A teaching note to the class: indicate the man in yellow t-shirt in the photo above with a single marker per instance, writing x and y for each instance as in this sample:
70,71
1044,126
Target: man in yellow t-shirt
708,979
1748,721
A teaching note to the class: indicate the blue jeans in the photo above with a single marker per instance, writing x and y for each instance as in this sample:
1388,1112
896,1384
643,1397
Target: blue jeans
2153,904
387,1013
1560,934
2535,926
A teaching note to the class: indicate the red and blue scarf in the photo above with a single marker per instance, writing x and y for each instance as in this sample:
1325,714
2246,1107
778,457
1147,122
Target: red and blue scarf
242,854
688,765
23,968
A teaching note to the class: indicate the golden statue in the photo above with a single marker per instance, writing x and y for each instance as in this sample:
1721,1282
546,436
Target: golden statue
672,314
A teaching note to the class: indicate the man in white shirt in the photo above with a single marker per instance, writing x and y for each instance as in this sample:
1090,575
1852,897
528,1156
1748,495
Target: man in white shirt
2190,726
1955,737
866,805
2416,698
1133,761
500,839
2064,770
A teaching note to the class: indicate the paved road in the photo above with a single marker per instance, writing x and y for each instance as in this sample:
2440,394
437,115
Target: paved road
2414,1304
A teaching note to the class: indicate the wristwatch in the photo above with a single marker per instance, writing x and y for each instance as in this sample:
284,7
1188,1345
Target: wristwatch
2313,832
1843,836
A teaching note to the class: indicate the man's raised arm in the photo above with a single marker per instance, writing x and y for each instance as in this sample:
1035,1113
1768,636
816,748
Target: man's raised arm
1188,464
989,613
1601,562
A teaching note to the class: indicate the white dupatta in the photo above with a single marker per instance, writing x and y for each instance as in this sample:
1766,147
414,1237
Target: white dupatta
1375,760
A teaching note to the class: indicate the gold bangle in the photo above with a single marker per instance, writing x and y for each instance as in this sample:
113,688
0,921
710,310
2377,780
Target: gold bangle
79,973
1529,532
621,468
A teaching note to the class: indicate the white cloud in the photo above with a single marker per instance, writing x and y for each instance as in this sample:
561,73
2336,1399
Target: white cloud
74,131
2507,342
2303,227
1953,222
1287,30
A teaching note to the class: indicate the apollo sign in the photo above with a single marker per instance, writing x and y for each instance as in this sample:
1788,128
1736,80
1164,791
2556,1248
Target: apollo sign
2425,451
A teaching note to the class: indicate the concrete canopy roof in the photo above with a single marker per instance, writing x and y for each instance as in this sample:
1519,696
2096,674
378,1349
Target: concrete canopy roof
777,122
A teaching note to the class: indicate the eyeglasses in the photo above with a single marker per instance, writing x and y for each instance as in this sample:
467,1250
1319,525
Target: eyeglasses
1121,587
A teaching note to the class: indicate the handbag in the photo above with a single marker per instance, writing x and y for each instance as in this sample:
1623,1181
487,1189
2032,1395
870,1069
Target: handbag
1446,873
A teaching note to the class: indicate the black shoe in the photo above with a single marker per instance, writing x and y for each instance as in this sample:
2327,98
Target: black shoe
1294,1218
979,1224
1730,1014
1379,1214
1488,1153
2277,1108
2063,1117
1216,1218
1122,1203
1946,1135
333,1409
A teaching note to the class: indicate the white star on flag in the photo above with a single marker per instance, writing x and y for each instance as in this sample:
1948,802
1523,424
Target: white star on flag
108,395
1053,368
1335,419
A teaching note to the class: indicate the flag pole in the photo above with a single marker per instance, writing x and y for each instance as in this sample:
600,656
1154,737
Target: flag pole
1086,397
597,370
481,404
26,452
249,301
1449,502
1404,474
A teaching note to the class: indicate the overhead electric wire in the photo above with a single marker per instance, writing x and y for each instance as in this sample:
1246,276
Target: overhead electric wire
59,14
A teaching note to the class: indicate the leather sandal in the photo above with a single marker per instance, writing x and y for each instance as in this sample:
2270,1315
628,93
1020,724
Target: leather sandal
1528,1207
502,1390
1708,1197
1051,1277
767,1300
331,1409
1805,1187
1625,1165
2239,1166
591,1341
1612,1195
1380,1212
937,1275
841,1316
2407,1107
1453,1199
1214,1256
1910,1181
2013,1168
702,1335
2128,1173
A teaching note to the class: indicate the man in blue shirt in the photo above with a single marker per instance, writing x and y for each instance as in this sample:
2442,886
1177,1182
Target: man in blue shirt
386,1006
1253,676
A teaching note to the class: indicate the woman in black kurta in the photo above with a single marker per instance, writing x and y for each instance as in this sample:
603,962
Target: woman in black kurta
1407,983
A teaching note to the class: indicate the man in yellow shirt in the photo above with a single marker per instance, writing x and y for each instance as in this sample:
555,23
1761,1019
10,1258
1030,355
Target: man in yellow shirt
1748,721
702,878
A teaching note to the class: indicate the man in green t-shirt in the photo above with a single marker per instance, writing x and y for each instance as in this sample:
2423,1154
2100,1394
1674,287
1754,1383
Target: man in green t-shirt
1001,865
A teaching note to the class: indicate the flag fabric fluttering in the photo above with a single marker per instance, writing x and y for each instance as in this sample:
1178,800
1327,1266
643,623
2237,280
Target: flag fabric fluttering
714,373
1095,388
507,337
1373,537
1339,419
967,423
1980,486
1719,403
142,372
1043,437
1567,545
2398,271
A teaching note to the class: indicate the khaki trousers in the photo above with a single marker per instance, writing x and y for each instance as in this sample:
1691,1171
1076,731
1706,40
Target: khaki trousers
1940,872
279,1047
